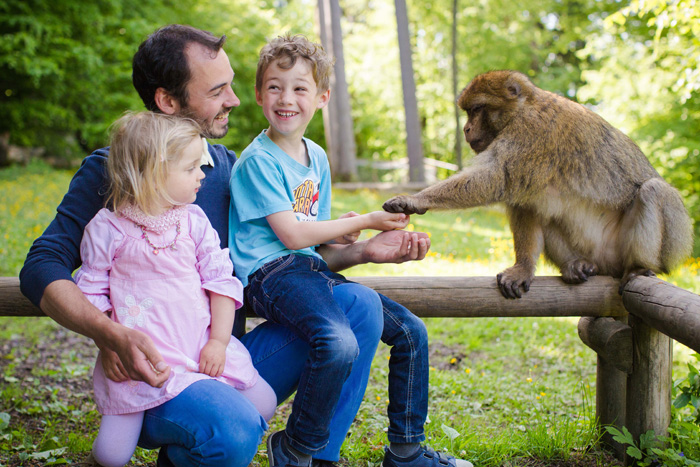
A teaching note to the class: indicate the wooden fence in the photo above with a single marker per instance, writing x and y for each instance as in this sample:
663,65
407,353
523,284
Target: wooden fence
631,334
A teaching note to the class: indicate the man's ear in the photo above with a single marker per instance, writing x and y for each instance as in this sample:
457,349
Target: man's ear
323,99
166,103
258,96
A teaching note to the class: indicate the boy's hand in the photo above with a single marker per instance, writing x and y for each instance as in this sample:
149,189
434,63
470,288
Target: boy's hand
382,220
212,358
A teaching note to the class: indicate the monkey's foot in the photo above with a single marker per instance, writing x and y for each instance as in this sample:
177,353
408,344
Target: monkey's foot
404,204
631,274
513,279
578,271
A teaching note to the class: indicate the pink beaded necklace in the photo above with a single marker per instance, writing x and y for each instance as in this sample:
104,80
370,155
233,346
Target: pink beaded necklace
157,224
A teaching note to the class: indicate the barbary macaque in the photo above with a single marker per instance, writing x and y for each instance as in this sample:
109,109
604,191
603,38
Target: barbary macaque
573,186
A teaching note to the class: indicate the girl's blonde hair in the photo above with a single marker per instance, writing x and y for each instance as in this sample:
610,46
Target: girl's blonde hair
143,146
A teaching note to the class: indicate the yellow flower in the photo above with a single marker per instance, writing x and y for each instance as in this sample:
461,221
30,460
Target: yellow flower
529,380
468,370
379,398
453,360
543,394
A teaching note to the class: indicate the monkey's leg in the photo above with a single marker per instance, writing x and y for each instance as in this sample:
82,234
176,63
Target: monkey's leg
657,231
528,241
475,186
557,248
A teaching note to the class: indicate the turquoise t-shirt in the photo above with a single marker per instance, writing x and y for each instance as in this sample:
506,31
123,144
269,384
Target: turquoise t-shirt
265,180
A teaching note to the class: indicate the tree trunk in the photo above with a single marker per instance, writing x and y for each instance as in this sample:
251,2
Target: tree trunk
414,146
455,86
337,115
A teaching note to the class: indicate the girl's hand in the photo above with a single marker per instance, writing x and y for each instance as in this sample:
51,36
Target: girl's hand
351,237
212,358
382,220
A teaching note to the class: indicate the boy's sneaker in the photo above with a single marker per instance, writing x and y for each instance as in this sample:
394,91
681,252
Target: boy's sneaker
279,454
323,463
424,457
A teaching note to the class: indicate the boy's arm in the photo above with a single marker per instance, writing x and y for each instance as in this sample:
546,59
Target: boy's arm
297,235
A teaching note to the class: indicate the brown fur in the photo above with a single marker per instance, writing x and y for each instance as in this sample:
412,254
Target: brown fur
574,187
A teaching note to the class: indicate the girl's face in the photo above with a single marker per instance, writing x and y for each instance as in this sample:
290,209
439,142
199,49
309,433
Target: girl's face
185,176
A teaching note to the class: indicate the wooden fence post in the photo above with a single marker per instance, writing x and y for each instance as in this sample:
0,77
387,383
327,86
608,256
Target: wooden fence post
649,385
611,339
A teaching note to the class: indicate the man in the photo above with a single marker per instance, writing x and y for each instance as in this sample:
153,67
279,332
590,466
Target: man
181,70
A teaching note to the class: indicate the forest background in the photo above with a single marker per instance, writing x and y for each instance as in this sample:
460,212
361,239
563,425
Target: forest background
65,69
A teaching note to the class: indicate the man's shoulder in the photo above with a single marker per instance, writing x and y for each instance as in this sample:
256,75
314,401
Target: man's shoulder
221,154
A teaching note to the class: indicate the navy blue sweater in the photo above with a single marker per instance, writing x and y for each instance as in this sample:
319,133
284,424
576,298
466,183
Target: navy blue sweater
56,254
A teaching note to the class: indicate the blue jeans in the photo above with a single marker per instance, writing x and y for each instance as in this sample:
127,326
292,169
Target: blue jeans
207,424
300,293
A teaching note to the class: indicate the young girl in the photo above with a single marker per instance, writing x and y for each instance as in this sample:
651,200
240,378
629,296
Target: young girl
154,262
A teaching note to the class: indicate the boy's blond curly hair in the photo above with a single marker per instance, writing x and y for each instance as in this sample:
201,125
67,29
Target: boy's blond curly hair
285,50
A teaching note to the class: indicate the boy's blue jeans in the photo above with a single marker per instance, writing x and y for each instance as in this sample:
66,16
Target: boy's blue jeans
300,293
401,330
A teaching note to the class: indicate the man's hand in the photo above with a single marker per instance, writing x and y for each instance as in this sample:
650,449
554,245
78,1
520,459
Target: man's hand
135,358
396,246
126,353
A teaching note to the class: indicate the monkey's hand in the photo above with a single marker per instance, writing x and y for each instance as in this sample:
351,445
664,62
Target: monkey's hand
404,204
513,279
578,271
631,274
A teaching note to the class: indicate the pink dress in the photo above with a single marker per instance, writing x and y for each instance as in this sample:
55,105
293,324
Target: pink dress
161,294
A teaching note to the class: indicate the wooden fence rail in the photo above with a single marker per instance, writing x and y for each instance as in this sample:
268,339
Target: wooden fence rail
631,334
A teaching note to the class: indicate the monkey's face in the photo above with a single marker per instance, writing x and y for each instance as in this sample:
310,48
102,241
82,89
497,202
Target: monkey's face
478,130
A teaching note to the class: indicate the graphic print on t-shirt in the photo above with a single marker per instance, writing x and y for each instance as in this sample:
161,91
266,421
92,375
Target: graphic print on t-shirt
306,200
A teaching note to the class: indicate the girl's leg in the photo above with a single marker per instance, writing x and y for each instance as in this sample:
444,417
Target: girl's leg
208,424
117,438
263,398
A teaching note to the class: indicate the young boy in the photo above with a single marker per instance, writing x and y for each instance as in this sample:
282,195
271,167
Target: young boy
280,212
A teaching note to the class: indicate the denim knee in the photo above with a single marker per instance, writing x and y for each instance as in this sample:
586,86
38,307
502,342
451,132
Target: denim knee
415,328
337,347
232,446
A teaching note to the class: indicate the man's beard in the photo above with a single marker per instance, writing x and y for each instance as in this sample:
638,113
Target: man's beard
208,130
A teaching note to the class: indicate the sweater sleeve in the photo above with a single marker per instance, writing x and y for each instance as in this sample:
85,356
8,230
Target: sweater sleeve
56,254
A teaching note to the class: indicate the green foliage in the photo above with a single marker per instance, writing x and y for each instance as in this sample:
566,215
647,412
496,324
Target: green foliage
682,446
65,68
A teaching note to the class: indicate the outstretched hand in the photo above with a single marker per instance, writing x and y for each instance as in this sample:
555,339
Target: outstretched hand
396,246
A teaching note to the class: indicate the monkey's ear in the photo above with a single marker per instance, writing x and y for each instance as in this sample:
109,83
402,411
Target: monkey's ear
513,89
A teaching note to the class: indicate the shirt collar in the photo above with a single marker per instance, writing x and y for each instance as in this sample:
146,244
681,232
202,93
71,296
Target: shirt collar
206,156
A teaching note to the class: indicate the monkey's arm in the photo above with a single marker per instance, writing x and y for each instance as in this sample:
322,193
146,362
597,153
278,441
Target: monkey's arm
478,185
528,242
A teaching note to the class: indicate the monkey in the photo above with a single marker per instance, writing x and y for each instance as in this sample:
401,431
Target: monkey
575,188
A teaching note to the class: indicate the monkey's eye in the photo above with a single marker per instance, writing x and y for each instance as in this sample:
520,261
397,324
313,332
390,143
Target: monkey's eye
475,109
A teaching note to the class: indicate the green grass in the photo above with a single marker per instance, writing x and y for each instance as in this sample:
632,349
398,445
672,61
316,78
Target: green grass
502,390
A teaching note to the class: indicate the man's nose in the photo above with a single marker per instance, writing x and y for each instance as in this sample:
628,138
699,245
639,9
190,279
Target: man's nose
232,99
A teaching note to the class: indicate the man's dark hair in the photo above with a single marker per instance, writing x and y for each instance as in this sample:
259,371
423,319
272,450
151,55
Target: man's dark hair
160,62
